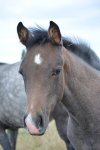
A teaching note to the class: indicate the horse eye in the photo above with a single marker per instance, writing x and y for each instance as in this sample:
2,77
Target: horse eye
56,72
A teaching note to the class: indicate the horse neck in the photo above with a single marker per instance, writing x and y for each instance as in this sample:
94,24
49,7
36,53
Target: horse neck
78,68
81,87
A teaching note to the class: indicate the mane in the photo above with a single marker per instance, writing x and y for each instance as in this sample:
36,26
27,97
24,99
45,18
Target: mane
40,36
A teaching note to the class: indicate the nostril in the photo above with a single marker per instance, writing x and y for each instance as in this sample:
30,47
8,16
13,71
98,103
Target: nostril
39,122
24,120
35,125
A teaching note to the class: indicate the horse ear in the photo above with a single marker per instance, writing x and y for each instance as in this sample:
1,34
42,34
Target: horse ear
23,33
54,33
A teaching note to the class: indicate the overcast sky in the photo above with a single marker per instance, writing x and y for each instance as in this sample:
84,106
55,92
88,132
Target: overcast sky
76,18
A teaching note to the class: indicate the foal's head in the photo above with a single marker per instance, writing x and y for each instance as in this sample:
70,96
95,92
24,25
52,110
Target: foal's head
42,71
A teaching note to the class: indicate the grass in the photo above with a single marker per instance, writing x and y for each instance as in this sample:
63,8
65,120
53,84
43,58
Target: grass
49,141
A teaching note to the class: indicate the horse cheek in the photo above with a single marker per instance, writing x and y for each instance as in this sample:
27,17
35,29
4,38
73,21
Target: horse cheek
61,87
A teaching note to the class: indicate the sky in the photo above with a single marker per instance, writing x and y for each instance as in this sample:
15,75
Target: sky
76,19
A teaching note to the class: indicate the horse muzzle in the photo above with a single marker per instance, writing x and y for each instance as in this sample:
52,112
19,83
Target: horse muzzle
35,125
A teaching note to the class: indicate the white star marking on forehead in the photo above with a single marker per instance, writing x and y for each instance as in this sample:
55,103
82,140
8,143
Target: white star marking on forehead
38,59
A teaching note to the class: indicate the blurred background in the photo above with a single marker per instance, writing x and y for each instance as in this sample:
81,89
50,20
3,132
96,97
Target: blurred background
76,19
49,141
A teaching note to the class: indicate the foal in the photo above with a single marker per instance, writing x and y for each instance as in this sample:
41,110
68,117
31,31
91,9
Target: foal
51,75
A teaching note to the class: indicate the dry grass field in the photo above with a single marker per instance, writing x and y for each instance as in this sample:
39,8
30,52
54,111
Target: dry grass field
49,141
